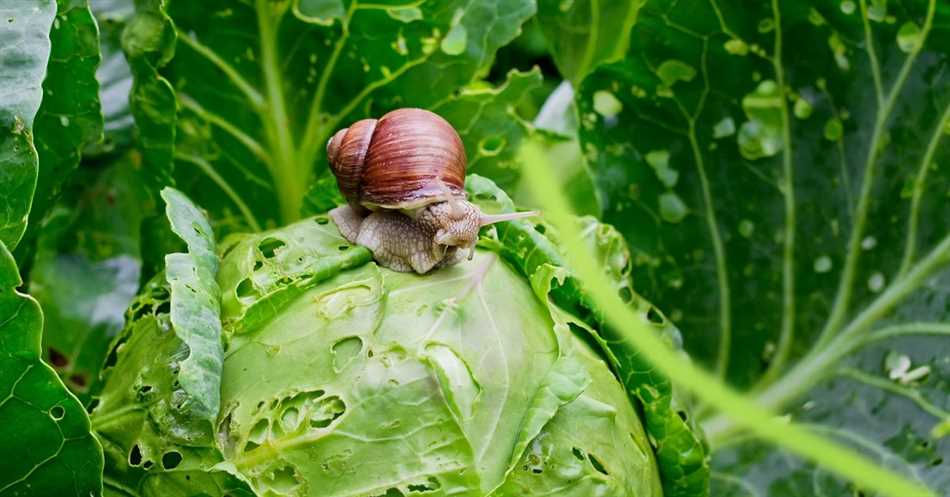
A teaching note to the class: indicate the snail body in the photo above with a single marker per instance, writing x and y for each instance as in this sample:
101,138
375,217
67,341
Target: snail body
403,177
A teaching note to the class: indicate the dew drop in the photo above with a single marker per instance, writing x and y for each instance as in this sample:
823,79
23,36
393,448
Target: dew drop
736,46
876,282
847,6
725,127
908,37
746,228
64,121
869,243
803,108
823,264
606,104
834,129
671,71
672,207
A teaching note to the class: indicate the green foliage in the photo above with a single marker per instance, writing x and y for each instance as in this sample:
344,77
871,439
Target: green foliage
261,87
69,117
586,33
86,269
23,66
772,175
779,171
37,411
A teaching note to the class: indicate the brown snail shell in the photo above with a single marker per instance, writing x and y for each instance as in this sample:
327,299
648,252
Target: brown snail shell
407,159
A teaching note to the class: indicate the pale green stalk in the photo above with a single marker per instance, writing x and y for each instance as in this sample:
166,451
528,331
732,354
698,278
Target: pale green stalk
745,413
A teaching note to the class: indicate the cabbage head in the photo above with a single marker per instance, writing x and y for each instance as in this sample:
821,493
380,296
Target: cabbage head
339,378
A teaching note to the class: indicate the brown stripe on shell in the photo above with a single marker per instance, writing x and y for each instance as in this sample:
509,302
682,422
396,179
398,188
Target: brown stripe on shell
346,151
416,158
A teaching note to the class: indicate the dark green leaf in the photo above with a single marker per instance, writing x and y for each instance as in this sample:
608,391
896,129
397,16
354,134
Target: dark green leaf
114,76
148,40
69,118
24,38
86,269
679,448
195,306
262,85
489,126
583,34
779,171
46,447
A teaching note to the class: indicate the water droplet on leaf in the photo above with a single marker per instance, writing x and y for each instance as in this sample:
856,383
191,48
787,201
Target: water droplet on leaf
725,127
834,129
908,37
746,228
736,46
761,135
606,104
672,208
803,108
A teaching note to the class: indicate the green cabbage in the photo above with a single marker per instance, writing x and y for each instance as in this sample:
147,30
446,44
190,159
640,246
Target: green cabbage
341,378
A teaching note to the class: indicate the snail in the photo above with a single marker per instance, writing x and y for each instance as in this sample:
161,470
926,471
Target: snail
403,177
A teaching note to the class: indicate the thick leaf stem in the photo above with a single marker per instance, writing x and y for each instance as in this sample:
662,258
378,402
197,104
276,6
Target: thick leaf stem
315,132
842,301
762,422
287,177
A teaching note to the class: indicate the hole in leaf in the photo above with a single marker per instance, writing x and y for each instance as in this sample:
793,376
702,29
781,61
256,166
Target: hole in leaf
147,464
245,289
343,247
344,351
683,415
540,228
258,434
326,411
164,308
171,460
258,265
57,359
93,404
937,462
578,453
322,220
290,419
599,466
492,145
654,316
626,295
57,412
282,480
79,380
430,485
135,456
269,246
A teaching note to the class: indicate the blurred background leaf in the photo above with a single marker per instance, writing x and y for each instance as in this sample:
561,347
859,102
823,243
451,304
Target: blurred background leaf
778,171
